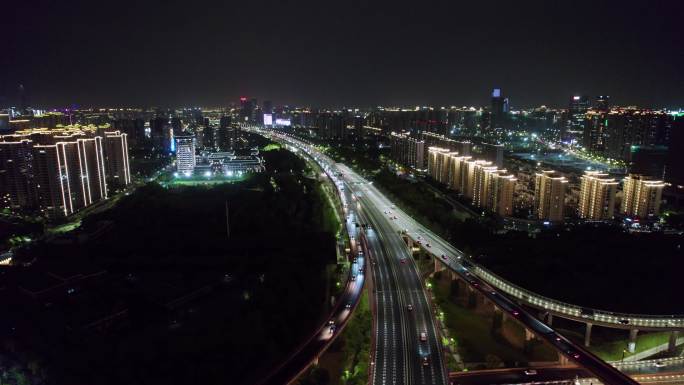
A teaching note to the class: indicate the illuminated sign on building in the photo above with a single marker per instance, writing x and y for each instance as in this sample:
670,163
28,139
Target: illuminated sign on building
282,122
268,119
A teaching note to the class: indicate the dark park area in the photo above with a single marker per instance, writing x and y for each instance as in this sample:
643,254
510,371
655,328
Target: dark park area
164,288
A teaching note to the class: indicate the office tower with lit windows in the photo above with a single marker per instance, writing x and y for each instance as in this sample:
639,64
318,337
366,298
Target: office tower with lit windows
597,196
16,174
4,123
549,196
499,110
641,196
222,136
185,154
408,151
603,103
159,131
578,107
116,155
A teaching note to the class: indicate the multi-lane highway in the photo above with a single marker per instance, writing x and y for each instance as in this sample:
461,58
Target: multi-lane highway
390,253
406,348
455,261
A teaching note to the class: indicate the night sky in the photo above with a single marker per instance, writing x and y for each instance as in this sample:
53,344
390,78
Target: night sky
330,54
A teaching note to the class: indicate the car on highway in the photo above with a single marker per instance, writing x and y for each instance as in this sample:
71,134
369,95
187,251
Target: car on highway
530,372
444,257
332,328
624,321
428,245
403,260
348,306
425,361
353,277
409,307
423,336
659,364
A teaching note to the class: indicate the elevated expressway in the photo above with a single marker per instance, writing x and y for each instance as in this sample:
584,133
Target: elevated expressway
402,313
496,289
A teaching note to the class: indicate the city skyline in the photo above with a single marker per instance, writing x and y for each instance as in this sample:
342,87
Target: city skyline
342,193
352,54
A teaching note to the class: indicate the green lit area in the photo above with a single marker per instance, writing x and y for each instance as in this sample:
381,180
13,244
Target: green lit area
176,179
271,147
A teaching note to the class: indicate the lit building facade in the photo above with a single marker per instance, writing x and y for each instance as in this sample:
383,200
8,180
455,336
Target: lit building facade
480,180
641,196
63,169
116,154
597,196
549,196
185,154
408,151
16,164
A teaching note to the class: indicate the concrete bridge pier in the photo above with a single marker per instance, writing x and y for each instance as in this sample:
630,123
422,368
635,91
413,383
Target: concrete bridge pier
587,335
439,266
546,316
672,343
631,345
529,336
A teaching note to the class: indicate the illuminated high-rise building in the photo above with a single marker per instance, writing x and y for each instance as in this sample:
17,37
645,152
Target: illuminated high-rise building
16,174
408,151
499,110
438,163
575,124
69,175
502,201
641,196
483,183
66,168
222,137
4,123
603,102
185,154
597,196
471,166
116,153
549,196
